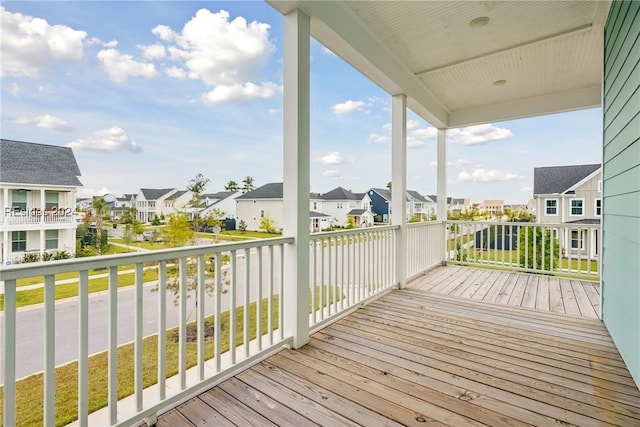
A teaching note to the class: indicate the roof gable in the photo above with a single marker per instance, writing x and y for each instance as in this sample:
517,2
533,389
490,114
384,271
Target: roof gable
560,179
155,194
30,163
273,190
339,193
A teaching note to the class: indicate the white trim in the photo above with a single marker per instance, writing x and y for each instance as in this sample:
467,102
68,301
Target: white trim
585,179
571,206
546,212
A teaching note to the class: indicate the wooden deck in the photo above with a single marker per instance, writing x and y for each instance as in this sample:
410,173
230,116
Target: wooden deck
546,293
418,358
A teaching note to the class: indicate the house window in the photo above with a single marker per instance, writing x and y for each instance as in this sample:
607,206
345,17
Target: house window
339,205
576,207
51,200
315,205
51,239
598,207
19,200
261,213
576,239
551,206
18,241
352,205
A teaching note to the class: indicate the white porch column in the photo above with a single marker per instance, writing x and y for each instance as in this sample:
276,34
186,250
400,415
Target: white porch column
399,182
5,195
442,176
441,204
296,175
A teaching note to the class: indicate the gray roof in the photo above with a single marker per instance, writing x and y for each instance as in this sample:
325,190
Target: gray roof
584,221
177,194
339,193
219,195
154,194
559,179
29,163
435,198
417,196
356,212
314,214
384,192
273,190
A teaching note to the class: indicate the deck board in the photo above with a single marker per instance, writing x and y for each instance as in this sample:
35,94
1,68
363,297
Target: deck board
420,356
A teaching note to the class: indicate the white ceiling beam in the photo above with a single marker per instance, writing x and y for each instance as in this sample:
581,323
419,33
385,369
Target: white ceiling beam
579,99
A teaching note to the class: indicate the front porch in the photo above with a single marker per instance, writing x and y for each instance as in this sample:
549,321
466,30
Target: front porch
459,346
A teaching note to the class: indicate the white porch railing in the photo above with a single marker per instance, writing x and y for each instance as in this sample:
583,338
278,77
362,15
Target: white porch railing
241,281
36,216
425,246
348,268
570,250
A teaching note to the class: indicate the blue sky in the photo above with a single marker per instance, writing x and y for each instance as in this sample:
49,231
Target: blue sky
148,94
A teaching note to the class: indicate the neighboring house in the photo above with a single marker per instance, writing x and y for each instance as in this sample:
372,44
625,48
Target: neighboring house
449,201
267,201
419,208
150,203
381,204
84,204
340,204
225,201
38,186
458,206
127,201
570,195
180,201
493,207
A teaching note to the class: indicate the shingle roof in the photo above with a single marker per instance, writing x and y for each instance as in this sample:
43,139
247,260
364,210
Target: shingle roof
384,192
29,163
356,212
219,195
559,179
153,193
273,190
314,214
435,198
177,194
417,196
339,193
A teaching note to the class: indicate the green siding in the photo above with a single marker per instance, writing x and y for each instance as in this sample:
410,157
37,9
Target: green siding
621,182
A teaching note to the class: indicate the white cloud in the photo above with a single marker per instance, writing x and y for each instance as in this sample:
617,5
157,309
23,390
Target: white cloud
347,107
15,89
240,93
154,51
411,124
331,174
480,134
228,55
108,141
333,158
29,45
47,122
483,175
120,66
176,73
527,189
379,139
53,123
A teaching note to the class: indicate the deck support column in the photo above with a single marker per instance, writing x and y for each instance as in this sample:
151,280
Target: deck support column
296,187
399,182
441,203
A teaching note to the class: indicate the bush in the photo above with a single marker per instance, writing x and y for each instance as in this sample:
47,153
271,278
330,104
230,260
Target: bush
31,257
60,255
545,243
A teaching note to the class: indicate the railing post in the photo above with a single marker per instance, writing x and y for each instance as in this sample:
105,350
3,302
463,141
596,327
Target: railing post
9,342
399,182
296,185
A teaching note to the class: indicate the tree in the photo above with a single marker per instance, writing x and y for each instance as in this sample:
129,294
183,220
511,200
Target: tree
232,186
100,209
389,185
242,226
177,232
247,184
132,229
267,224
544,244
197,186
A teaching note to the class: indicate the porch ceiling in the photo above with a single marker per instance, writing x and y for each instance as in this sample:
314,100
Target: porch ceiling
549,53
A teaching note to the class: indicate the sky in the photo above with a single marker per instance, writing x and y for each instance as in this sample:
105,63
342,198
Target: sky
149,94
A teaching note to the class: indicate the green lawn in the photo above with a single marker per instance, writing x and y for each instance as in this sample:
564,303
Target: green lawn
29,391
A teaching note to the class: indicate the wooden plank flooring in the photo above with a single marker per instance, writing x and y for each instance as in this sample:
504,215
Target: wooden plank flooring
566,296
417,358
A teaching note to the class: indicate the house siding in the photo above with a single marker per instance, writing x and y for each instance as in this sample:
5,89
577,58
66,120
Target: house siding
621,182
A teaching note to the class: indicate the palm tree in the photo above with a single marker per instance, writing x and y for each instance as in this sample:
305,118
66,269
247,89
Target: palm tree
232,186
100,208
247,184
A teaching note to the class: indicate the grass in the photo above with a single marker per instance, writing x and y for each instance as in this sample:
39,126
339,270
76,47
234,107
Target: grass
36,296
29,391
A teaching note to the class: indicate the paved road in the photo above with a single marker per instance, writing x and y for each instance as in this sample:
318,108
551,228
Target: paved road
30,321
